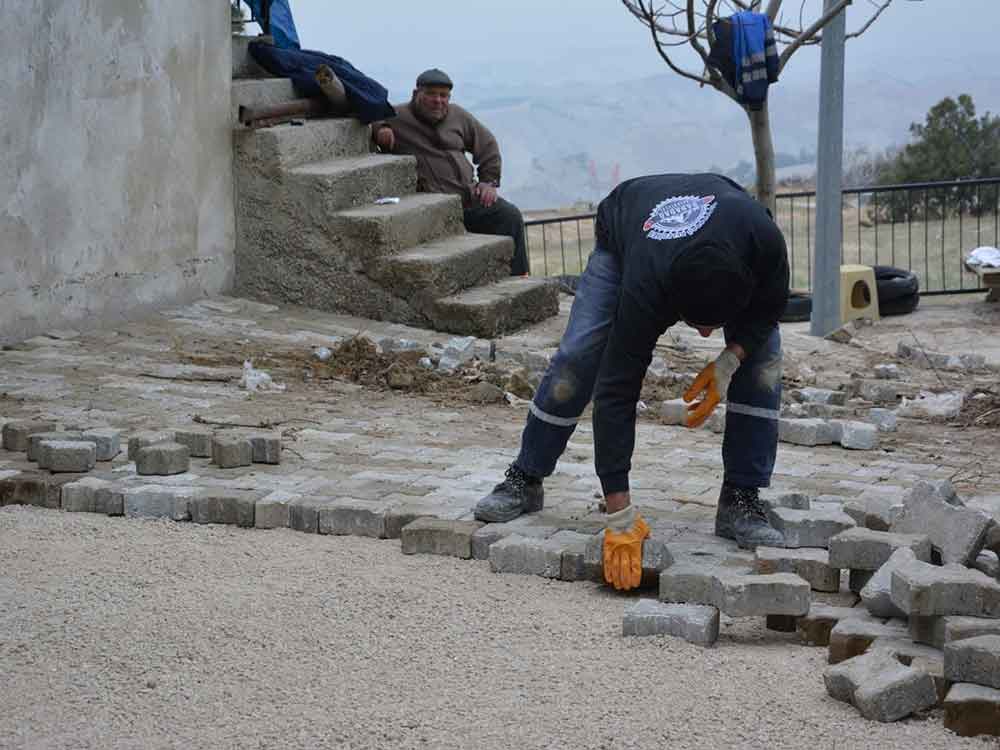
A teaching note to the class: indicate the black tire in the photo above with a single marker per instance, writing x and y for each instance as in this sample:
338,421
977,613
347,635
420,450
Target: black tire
895,283
798,309
898,306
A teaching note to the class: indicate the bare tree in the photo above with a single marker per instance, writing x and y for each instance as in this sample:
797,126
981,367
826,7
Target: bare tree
679,24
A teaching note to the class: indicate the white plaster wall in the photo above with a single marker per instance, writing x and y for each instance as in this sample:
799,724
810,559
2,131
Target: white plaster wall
116,174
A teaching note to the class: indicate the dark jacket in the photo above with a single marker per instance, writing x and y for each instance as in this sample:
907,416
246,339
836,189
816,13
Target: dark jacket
647,223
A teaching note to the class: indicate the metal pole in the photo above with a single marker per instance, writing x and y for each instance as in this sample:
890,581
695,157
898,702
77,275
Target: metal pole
830,154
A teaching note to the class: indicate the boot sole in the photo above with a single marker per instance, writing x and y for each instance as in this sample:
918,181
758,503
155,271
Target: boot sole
488,517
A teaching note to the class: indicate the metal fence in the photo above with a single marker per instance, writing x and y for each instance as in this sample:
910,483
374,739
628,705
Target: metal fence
926,227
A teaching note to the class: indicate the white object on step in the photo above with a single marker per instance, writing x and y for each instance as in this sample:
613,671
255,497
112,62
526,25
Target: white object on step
985,256
386,201
257,380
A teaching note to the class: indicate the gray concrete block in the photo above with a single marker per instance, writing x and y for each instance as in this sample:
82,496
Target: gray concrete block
751,595
921,589
811,395
197,439
674,412
972,710
858,436
231,451
975,660
162,459
527,556
67,456
874,511
689,583
146,438
866,549
271,511
810,528
988,562
232,507
433,536
574,556
303,513
877,593
36,438
812,565
39,489
107,441
881,687
853,636
692,622
793,500
16,433
483,538
957,533
878,391
397,517
353,518
885,420
888,372
808,432
265,447
814,627
157,501
92,495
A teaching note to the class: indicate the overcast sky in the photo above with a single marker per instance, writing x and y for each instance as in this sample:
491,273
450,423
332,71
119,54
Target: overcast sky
527,42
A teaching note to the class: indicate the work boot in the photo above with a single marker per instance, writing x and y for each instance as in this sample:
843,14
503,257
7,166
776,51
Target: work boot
517,494
742,516
332,89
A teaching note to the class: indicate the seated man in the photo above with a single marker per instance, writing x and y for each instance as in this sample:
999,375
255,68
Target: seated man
439,134
669,248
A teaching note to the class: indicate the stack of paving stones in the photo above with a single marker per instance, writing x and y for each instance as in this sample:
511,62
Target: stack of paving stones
922,631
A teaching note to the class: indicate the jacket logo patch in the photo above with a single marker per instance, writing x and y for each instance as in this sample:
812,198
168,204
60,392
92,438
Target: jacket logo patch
680,216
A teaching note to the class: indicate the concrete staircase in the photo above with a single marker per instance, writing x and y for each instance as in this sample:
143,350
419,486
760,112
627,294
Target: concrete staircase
309,232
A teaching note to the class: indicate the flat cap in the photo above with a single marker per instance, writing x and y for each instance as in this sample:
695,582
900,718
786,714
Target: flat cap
434,77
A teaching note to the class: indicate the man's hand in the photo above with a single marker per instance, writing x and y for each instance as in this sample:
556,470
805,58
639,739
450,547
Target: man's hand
712,384
385,138
485,193
623,539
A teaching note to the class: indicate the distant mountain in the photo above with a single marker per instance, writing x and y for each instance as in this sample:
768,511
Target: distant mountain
570,143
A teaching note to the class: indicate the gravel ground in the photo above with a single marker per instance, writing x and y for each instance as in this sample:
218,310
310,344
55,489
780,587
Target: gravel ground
143,634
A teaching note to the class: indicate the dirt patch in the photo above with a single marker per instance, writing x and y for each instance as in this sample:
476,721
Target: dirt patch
980,409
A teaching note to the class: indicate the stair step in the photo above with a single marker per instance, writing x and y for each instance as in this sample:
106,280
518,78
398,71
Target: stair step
496,309
244,66
289,146
438,269
339,184
260,92
377,231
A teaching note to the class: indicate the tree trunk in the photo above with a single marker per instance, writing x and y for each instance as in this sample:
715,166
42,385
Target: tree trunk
763,151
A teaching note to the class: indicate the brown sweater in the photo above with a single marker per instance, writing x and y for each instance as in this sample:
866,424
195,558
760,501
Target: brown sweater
440,150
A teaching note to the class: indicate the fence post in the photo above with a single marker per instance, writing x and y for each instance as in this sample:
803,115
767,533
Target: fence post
829,198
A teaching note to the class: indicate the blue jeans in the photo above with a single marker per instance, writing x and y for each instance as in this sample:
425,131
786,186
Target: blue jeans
751,438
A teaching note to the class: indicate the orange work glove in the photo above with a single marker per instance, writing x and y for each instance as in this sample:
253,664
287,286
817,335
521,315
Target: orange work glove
623,548
713,382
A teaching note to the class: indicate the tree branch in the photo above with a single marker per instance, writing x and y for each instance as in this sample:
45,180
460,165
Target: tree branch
693,32
773,7
810,32
875,15
647,15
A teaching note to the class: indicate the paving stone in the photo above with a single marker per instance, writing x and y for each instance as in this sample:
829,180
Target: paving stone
881,687
811,395
774,594
146,438
35,440
483,538
919,656
858,579
794,500
888,372
265,447
433,536
810,528
16,433
162,459
874,511
574,565
885,420
67,456
527,556
689,583
157,501
398,516
866,549
987,562
303,513
854,635
975,660
233,507
36,488
353,518
877,391
692,622
815,626
674,412
808,432
972,710
271,511
812,565
921,589
107,441
231,451
957,533
197,439
93,495
655,558
859,436
877,593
